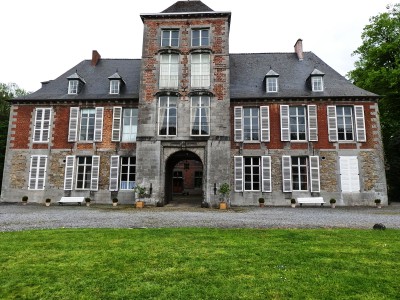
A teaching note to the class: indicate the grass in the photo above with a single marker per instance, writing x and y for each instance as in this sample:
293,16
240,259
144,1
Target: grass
199,264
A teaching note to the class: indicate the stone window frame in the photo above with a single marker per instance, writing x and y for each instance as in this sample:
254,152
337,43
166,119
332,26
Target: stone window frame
169,71
200,70
169,41
196,112
200,38
165,116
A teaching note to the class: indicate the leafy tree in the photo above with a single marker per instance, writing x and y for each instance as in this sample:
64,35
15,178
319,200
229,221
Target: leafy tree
378,70
6,93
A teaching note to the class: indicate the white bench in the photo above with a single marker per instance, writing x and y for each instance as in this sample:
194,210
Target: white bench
78,200
310,200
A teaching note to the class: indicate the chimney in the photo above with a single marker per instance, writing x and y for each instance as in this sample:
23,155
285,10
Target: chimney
298,48
95,58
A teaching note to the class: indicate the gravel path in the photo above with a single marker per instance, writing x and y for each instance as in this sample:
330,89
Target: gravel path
33,216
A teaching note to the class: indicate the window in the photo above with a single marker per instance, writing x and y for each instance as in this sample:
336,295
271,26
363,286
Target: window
89,121
85,172
73,86
272,84
252,173
317,84
169,71
128,128
251,123
200,70
170,38
300,173
349,174
167,115
198,179
41,128
114,86
128,173
200,37
346,123
200,115
299,123
37,172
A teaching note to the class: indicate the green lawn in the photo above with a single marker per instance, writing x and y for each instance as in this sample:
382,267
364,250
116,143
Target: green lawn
200,264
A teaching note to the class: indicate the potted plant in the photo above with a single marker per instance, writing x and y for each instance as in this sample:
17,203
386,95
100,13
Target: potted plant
47,201
332,201
115,201
140,192
261,202
293,202
24,200
378,203
87,200
224,191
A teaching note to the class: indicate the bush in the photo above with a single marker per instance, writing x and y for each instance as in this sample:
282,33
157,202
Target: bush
25,198
377,201
332,201
87,199
261,200
293,201
48,200
115,200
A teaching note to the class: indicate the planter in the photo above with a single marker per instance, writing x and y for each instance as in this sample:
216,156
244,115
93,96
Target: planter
333,205
378,205
293,205
87,203
47,203
24,202
262,204
222,205
115,203
139,204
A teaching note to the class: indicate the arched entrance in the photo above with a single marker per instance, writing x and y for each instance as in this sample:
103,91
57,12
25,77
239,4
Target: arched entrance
184,179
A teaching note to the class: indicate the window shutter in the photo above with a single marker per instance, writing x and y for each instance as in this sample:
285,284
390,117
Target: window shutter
286,173
312,123
37,131
238,160
264,115
285,132
238,123
73,124
349,174
114,172
98,124
69,172
314,173
360,123
266,173
116,126
46,125
332,124
94,183
33,172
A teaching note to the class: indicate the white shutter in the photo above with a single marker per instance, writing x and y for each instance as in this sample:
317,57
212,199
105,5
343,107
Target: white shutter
116,125
264,116
238,123
37,172
46,124
285,132
98,124
349,174
360,123
73,124
114,172
312,123
94,182
286,173
266,173
69,172
332,124
314,173
238,161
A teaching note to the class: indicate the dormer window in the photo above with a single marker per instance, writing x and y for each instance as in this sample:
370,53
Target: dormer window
75,84
116,82
272,81
317,82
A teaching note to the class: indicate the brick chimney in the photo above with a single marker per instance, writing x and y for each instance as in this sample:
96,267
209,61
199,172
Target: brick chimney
298,48
95,58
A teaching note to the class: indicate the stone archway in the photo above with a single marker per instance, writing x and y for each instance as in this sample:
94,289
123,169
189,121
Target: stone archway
184,178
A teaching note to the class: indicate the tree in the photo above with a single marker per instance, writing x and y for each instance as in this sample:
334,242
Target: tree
7,92
378,70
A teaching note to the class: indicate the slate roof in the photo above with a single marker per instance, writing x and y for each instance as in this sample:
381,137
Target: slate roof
247,78
187,6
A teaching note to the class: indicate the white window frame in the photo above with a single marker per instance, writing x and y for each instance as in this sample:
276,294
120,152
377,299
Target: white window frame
272,84
201,32
127,185
164,113
129,132
41,127
200,66
93,173
294,115
115,86
310,123
251,115
317,83
170,39
264,174
37,172
73,86
169,71
357,117
312,173
200,115
299,163
75,125
86,131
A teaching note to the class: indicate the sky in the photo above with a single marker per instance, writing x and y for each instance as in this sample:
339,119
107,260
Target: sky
42,39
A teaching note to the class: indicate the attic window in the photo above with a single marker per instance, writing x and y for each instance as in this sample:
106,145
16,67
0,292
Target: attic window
317,82
75,84
272,81
73,87
114,86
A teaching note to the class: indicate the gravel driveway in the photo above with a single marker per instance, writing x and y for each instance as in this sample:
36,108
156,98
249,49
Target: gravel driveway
33,216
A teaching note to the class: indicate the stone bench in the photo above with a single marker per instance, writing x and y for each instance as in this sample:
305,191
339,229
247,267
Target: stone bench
310,200
78,200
